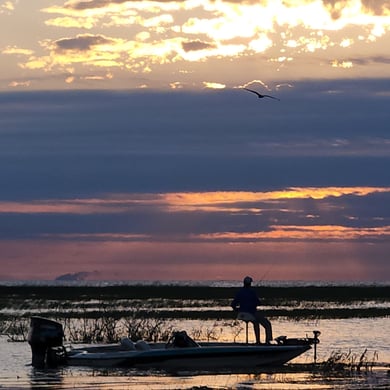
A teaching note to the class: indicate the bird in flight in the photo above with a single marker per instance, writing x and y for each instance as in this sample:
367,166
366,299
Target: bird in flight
259,95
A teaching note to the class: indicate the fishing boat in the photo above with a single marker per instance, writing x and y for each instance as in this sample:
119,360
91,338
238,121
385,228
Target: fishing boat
181,352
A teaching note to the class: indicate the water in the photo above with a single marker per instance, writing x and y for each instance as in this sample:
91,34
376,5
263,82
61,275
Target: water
350,336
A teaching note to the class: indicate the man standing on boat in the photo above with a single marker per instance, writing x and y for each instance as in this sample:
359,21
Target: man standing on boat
246,301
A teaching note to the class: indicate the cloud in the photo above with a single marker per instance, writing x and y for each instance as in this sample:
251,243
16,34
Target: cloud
338,8
197,45
91,4
294,233
73,22
362,61
378,7
204,41
180,181
84,50
7,7
311,214
213,85
16,84
17,51
82,42
212,140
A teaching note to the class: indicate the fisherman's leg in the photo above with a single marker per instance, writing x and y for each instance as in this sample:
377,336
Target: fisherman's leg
267,326
256,328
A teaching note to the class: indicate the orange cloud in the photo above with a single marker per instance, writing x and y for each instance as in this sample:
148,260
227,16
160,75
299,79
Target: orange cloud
304,233
183,201
192,200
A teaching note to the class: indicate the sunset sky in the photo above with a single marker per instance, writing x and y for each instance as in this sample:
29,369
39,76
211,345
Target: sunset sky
130,150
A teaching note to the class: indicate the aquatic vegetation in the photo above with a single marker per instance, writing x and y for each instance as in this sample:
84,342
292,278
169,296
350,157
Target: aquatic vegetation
110,329
106,329
150,329
16,328
339,360
203,333
90,330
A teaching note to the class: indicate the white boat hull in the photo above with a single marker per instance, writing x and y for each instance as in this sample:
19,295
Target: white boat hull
222,356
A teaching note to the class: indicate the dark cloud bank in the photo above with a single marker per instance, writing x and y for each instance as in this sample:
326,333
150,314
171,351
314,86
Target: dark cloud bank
81,143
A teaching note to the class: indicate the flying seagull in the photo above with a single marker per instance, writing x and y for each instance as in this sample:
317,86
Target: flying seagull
260,96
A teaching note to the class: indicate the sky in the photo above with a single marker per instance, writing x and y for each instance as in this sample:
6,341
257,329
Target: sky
130,150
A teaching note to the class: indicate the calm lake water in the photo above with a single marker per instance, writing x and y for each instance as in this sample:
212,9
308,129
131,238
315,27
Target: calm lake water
351,336
354,335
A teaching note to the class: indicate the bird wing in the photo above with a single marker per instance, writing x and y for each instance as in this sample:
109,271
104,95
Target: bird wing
260,95
272,97
251,90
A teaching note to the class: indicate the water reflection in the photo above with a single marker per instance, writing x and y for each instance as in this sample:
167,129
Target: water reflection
49,378
294,376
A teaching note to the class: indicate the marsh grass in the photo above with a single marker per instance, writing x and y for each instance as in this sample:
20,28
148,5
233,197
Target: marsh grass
106,329
16,329
348,361
207,333
150,329
111,330
90,330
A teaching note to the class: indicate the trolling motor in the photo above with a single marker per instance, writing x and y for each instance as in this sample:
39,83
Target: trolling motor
316,341
45,338
283,340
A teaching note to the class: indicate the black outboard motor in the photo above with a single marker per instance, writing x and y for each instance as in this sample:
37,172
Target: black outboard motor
43,336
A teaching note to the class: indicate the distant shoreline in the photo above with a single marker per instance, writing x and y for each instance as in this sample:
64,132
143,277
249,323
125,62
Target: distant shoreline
203,283
179,301
270,294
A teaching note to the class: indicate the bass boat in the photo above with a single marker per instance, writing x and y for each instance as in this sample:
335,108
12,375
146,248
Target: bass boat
181,352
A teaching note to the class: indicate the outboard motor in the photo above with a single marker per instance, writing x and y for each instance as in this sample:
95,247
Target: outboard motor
44,335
